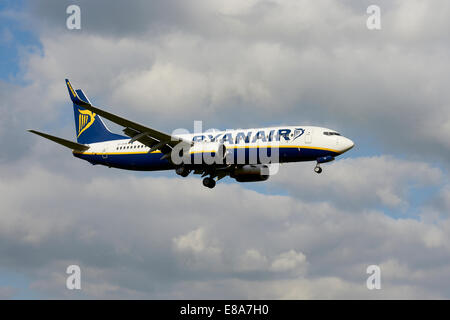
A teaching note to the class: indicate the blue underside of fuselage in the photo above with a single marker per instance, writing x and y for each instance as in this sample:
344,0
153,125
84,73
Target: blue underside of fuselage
152,161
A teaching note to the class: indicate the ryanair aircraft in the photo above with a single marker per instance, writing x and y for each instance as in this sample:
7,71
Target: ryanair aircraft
244,155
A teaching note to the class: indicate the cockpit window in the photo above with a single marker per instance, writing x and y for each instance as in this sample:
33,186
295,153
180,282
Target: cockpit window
329,133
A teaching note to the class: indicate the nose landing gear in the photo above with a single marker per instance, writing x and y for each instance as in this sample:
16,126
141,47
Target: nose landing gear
317,169
324,159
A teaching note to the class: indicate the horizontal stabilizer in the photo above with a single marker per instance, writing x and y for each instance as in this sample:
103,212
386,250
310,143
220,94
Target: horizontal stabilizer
69,144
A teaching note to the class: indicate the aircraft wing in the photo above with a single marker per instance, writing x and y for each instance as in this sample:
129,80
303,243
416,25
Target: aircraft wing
154,139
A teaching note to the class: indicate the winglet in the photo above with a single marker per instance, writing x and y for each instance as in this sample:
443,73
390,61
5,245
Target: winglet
74,97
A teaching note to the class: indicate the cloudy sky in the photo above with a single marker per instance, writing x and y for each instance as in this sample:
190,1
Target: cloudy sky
230,64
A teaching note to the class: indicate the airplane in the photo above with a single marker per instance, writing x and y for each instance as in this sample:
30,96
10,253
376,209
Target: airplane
243,154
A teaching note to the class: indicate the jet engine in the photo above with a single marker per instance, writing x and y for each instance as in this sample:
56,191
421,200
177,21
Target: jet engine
250,173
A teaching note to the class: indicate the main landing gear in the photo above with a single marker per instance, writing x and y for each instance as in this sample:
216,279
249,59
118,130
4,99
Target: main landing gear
317,169
209,182
183,171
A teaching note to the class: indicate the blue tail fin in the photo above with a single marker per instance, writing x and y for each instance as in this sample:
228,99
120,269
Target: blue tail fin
89,127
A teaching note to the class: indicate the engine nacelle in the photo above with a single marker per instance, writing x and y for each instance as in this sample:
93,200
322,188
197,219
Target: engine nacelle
251,173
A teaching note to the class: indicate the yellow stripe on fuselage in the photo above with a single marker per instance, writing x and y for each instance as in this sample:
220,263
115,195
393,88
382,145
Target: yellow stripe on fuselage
228,147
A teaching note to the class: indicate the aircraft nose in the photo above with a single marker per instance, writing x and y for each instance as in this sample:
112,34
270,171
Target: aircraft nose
346,144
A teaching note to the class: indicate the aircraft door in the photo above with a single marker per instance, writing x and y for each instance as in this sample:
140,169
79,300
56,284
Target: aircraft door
104,154
308,136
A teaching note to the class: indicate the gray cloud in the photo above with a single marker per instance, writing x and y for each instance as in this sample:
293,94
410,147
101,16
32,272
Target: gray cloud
290,61
7,292
232,64
132,240
370,182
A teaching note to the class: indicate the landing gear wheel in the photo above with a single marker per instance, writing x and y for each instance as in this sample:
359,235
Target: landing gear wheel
317,169
209,182
182,171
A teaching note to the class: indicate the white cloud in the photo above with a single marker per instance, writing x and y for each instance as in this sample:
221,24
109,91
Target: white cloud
288,261
197,252
252,260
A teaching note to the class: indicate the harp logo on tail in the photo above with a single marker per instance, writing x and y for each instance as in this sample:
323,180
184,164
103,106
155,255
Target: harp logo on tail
85,119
